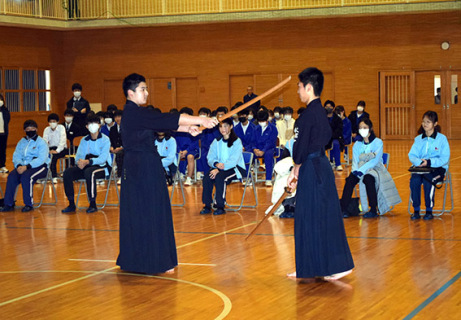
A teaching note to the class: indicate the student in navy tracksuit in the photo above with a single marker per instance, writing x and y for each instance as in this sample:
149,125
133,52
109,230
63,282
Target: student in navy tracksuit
225,158
430,149
92,160
30,159
246,131
206,138
265,143
166,148
188,149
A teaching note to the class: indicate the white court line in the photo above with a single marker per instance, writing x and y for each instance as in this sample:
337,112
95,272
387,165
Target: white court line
183,264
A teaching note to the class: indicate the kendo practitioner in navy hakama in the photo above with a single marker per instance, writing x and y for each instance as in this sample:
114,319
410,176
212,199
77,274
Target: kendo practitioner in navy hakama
147,243
321,247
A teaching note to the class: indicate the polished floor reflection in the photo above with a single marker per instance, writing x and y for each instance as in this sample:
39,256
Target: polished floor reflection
56,266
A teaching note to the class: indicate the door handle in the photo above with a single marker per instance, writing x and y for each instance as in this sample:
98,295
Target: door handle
448,106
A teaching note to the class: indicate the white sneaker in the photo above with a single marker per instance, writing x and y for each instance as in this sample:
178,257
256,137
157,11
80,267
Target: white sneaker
4,170
339,168
200,175
55,180
268,183
188,182
119,181
100,182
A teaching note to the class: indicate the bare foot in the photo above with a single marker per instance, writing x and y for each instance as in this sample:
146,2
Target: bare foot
337,276
171,271
291,275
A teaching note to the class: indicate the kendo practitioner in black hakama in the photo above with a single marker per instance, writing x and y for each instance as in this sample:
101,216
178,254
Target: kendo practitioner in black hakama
147,243
321,247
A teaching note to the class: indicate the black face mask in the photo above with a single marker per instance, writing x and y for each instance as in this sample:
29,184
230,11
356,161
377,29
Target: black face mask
31,134
329,110
242,119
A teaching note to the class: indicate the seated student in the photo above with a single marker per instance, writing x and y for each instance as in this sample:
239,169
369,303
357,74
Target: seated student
188,150
112,108
72,129
251,115
285,127
265,143
271,117
108,123
356,116
430,150
30,159
336,143
246,131
93,162
225,158
300,110
278,113
235,117
206,138
166,148
347,129
368,168
116,146
55,137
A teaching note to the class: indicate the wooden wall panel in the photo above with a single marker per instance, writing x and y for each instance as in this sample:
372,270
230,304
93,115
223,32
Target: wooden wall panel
113,94
238,85
187,93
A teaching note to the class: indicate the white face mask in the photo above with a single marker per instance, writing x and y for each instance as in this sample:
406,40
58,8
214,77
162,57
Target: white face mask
250,117
202,115
102,122
108,120
287,117
53,125
68,119
93,127
359,108
277,115
364,132
1,103
77,94
263,124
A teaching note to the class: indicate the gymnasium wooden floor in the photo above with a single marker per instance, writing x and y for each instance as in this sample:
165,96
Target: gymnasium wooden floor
56,266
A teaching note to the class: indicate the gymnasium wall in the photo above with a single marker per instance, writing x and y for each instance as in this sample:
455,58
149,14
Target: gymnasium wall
351,50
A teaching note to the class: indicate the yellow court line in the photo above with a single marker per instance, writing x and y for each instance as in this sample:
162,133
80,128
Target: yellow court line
54,287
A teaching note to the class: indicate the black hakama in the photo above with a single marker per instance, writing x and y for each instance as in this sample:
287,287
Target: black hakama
147,243
321,247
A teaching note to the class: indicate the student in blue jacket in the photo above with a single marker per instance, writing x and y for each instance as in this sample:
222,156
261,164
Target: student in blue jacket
246,130
166,148
265,143
30,159
206,138
225,158
188,149
93,162
367,142
430,149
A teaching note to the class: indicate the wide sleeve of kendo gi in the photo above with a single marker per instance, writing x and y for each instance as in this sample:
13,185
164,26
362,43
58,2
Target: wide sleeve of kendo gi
153,120
302,131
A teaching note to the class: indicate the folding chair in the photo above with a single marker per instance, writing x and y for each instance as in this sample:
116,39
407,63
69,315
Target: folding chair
198,158
112,179
346,155
250,179
438,212
277,153
177,180
72,150
45,181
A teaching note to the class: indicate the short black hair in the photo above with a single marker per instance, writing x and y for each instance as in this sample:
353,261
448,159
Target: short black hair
329,102
262,115
314,77
287,110
222,109
300,110
109,114
174,110
278,109
131,82
361,103
244,112
93,119
112,107
238,104
186,110
118,113
30,123
100,114
205,110
68,112
76,86
339,109
157,110
53,116
213,113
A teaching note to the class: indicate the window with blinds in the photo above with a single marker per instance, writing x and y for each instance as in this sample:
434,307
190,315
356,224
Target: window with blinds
26,90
